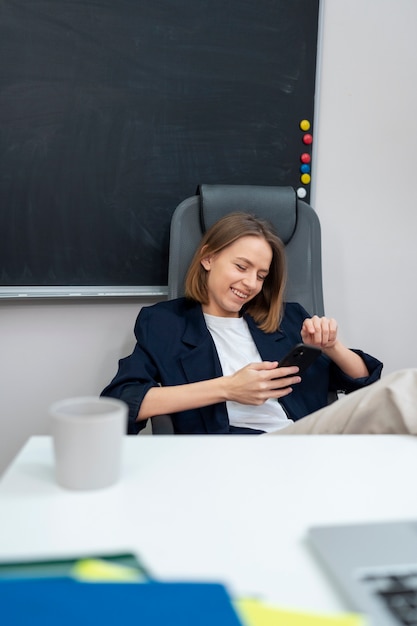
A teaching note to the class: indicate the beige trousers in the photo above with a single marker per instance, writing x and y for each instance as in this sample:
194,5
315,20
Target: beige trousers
388,406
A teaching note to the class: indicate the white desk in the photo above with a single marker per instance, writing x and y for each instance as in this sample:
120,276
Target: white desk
232,509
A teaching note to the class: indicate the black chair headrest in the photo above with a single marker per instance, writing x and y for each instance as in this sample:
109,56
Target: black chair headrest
277,205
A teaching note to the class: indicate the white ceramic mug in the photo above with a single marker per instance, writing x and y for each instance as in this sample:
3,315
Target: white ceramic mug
88,435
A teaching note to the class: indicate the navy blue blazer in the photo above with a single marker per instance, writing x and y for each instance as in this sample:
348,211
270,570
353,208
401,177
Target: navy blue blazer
174,347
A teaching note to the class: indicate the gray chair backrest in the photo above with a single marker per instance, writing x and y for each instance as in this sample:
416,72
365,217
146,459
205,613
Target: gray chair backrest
294,220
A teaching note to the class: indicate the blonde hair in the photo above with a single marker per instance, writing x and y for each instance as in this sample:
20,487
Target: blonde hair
266,308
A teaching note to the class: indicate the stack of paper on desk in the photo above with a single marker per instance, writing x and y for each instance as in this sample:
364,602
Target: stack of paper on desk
255,613
108,589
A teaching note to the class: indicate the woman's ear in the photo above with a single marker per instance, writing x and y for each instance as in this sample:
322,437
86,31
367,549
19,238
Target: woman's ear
205,260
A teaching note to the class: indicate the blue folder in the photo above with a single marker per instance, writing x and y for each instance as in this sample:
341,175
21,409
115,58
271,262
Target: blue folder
65,602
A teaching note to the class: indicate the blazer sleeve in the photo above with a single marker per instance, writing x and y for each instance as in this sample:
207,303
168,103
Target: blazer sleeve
339,381
136,374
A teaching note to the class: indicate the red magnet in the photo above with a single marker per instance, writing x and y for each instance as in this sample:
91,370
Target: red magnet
308,138
305,158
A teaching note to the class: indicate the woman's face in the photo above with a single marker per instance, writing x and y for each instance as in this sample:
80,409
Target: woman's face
236,274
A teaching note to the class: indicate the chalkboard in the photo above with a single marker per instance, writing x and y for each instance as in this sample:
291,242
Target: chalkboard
114,111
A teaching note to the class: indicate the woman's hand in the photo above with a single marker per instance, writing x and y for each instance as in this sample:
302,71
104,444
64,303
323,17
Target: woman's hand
257,382
320,332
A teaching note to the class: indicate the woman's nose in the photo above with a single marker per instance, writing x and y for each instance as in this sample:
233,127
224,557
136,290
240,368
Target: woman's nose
250,280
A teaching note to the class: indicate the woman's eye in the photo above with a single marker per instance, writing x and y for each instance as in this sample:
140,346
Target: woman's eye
240,267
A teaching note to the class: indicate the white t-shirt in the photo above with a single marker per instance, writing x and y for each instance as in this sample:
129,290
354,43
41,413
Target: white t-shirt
236,349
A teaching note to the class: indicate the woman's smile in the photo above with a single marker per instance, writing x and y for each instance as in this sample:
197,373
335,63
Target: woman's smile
239,294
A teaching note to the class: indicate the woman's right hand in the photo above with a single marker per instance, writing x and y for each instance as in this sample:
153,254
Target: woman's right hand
257,382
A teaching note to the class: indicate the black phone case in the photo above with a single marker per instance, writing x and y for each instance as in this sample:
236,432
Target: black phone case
301,355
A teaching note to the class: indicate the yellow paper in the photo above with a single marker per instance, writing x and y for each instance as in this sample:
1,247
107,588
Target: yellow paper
98,570
256,613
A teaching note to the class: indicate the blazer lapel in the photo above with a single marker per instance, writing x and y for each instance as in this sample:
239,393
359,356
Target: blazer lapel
202,363
271,346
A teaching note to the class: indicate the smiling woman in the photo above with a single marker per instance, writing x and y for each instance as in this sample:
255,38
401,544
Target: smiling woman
210,359
236,275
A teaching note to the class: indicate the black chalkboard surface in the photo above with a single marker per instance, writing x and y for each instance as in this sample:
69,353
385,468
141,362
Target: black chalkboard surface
113,111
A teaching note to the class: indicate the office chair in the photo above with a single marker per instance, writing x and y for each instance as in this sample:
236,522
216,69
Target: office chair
294,220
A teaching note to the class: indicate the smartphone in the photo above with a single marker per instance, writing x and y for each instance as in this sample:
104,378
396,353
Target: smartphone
301,355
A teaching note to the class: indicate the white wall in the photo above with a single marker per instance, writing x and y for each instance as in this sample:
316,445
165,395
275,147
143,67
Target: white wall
365,163
54,350
364,193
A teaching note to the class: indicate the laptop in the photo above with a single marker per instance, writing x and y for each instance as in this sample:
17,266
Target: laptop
375,567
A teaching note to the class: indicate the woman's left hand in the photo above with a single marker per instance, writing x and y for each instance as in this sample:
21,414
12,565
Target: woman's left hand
320,332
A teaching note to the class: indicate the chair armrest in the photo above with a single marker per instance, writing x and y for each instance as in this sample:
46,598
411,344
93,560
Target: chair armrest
162,425
332,396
